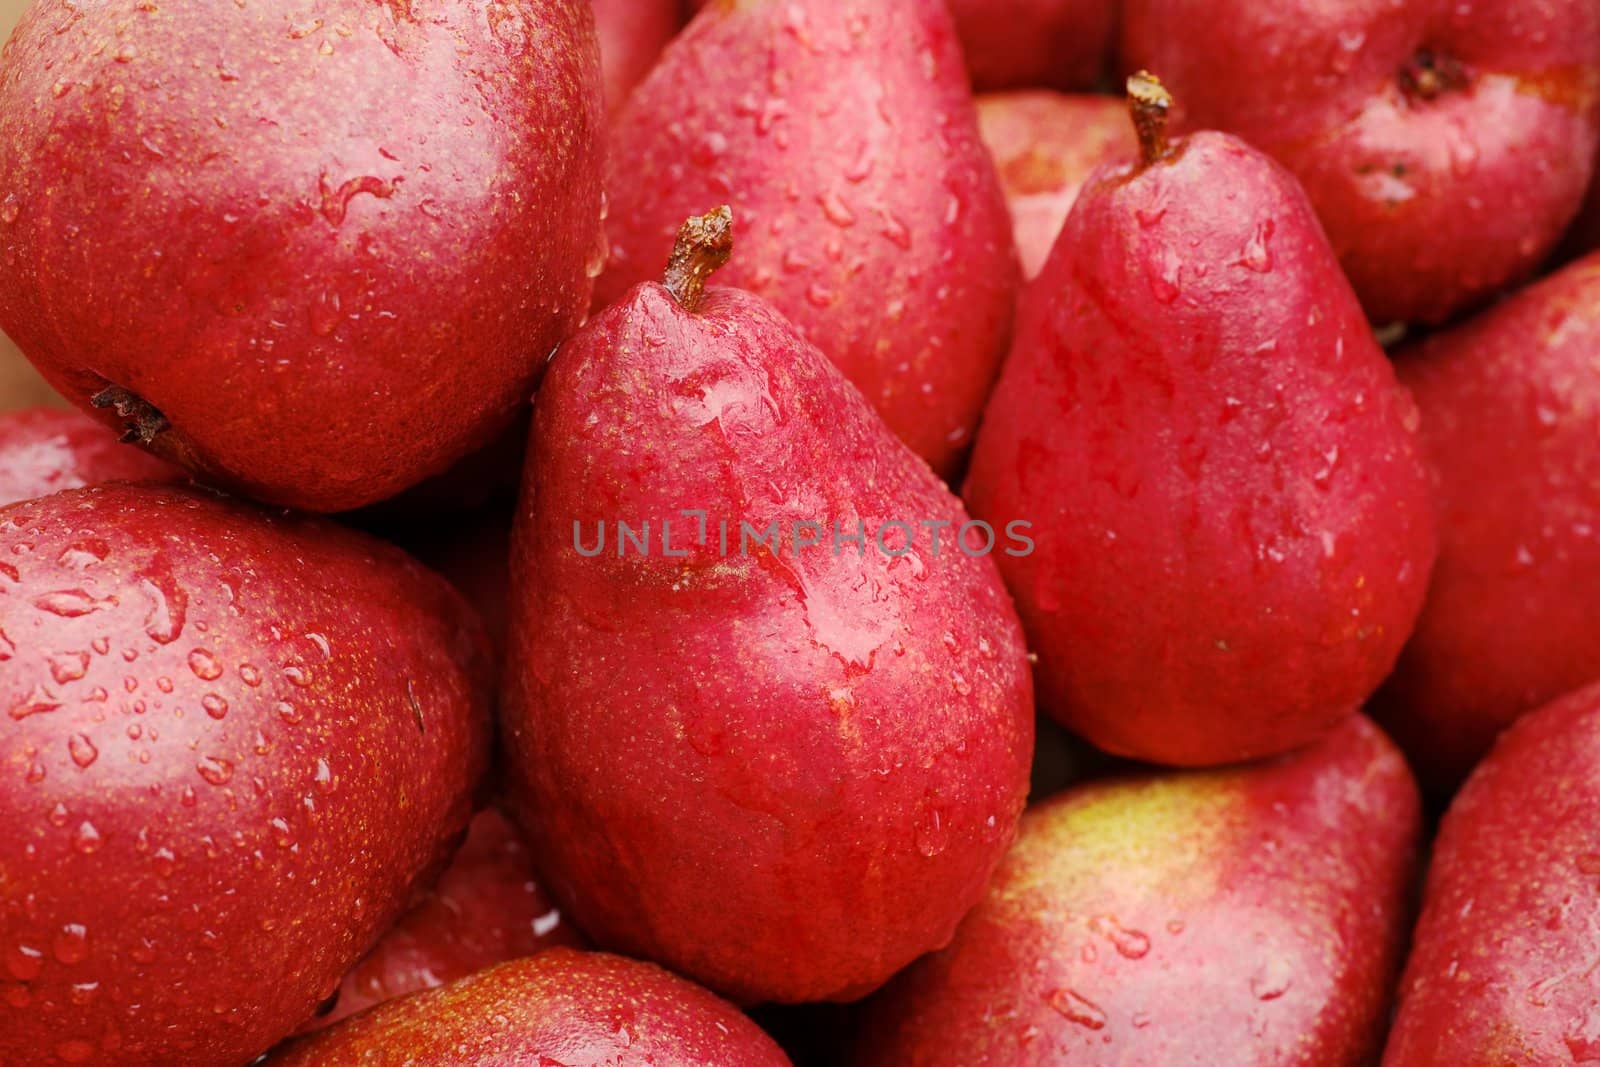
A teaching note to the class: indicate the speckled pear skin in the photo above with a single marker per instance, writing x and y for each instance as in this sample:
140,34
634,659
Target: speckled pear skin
233,743
1502,962
1235,522
488,907
1024,44
1510,416
1445,145
332,242
843,135
785,776
1253,916
562,1007
46,450
1045,146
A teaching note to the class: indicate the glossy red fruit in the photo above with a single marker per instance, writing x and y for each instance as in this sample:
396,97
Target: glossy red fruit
1251,916
485,909
843,135
1510,416
1501,968
1021,44
1445,145
1233,519
46,450
561,1007
1045,146
234,743
804,762
314,255
632,35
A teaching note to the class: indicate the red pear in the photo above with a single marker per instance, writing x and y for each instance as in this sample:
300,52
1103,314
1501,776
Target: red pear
46,450
314,254
778,760
1045,146
1445,145
1233,519
485,909
632,35
561,1007
1503,961
843,134
1510,416
234,743
1250,916
1021,44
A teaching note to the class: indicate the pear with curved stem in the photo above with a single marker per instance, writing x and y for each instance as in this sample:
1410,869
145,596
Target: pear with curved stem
1236,524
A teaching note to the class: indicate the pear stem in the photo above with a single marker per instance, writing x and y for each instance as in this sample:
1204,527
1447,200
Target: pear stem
705,243
1150,104
144,422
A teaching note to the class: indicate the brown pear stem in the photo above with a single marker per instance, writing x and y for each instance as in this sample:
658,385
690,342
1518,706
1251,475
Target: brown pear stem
705,243
1150,104
144,422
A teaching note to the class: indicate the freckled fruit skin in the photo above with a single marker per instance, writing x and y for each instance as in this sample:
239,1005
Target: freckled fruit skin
1248,916
1233,519
1510,416
843,135
632,35
45,450
1501,967
1432,202
783,776
1045,146
1020,44
559,1007
485,909
205,818
332,245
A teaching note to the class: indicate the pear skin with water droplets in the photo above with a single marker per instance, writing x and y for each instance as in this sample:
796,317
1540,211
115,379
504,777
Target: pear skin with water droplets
806,754
1253,916
1510,415
843,135
233,743
1444,145
1503,959
1235,523
560,1007
318,254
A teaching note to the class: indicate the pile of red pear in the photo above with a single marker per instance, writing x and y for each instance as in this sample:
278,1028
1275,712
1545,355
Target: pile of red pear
643,532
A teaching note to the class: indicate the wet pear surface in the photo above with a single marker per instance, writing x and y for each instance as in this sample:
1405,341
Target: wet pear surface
1510,415
332,242
488,907
560,1009
1249,916
1502,966
1446,145
785,774
229,746
843,135
1236,527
